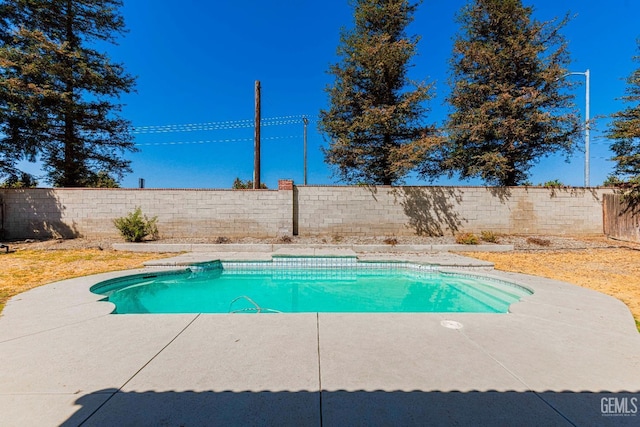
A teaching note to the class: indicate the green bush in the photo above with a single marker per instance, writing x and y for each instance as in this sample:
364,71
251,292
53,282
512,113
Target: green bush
553,184
467,239
136,226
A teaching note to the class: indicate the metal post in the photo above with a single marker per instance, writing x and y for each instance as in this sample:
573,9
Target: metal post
587,127
256,140
306,122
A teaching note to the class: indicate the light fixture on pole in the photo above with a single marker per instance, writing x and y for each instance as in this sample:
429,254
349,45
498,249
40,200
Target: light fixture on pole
587,76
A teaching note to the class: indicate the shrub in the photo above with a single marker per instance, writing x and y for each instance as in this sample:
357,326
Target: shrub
391,241
285,239
239,184
489,236
222,240
136,226
466,239
538,241
553,184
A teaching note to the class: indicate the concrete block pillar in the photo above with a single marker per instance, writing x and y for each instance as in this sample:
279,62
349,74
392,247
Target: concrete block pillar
285,207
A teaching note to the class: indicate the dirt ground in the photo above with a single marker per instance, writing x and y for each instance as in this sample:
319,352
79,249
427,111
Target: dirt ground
598,263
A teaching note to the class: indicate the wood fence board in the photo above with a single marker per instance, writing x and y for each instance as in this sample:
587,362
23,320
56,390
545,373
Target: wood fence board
619,222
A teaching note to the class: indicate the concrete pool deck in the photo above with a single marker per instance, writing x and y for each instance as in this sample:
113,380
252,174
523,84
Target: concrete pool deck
563,356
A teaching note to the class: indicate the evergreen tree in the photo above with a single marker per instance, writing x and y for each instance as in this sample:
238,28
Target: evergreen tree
624,130
509,107
375,118
58,93
24,180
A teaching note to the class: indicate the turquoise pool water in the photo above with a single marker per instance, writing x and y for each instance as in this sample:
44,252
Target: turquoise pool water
265,288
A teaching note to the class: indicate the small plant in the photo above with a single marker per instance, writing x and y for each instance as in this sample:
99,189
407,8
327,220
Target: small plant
136,226
489,236
538,241
221,240
285,239
391,241
553,184
466,239
337,238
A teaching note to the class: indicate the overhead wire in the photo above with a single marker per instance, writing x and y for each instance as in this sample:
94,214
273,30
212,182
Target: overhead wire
205,141
229,125
222,125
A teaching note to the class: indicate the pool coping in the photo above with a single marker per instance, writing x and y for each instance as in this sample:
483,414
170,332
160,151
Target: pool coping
274,247
551,360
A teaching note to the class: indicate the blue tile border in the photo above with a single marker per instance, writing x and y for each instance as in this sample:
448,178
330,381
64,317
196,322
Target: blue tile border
318,263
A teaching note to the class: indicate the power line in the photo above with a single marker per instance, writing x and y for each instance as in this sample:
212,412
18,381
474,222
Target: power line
207,141
223,125
229,121
201,128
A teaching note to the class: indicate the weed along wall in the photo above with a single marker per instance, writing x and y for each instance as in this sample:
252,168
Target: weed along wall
304,210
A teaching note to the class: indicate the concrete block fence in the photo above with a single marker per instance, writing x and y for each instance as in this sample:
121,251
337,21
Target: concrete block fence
304,210
402,211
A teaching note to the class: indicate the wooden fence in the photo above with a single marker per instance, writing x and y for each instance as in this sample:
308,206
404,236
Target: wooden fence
620,222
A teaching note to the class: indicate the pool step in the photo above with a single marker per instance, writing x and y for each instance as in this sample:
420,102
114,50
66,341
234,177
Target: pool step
491,296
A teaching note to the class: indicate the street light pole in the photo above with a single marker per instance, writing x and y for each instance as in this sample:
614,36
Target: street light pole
306,122
587,125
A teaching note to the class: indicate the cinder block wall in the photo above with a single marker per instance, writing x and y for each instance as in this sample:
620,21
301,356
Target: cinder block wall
306,211
402,211
41,212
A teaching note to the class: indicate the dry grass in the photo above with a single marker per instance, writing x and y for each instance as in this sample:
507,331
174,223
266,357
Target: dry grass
612,271
26,269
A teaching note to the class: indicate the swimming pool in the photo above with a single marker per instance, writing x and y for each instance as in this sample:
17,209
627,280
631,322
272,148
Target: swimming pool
308,284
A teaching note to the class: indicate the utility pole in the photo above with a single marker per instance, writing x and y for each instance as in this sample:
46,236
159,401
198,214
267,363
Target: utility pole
256,140
306,122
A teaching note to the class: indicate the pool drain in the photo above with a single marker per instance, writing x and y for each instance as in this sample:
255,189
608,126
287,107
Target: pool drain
451,324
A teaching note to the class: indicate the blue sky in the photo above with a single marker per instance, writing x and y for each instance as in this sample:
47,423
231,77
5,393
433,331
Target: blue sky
197,62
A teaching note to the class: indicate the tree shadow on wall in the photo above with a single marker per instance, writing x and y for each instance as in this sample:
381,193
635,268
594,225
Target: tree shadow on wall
573,192
502,193
432,211
34,213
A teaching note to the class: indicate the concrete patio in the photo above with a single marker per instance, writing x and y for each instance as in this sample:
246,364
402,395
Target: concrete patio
563,356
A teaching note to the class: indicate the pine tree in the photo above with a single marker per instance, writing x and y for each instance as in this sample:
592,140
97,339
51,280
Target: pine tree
509,108
58,93
375,118
624,130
